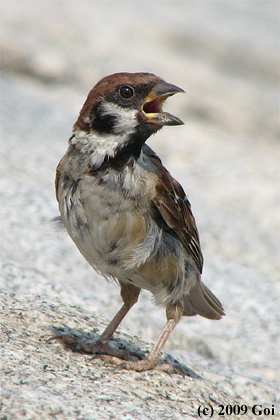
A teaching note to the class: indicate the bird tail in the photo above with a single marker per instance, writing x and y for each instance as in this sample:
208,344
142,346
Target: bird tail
201,301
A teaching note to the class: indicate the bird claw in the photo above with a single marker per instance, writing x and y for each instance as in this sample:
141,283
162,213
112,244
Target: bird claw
139,365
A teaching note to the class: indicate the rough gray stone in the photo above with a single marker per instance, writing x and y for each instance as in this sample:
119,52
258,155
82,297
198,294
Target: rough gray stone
225,56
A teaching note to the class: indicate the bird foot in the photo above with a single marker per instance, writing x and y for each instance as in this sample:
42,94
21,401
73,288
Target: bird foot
111,354
139,365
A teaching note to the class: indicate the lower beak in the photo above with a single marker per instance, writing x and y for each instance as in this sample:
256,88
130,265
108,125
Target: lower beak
152,107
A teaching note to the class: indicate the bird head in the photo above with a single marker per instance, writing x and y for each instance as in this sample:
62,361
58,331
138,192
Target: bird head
123,110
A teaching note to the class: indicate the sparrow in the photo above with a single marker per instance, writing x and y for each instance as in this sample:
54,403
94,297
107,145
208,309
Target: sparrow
129,218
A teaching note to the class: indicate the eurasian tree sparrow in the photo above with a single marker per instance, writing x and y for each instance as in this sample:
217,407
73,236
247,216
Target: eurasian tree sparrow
126,214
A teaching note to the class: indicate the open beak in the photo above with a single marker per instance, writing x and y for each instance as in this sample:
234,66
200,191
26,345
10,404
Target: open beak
152,107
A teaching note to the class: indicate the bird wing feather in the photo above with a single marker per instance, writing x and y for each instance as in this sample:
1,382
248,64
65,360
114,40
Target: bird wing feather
175,209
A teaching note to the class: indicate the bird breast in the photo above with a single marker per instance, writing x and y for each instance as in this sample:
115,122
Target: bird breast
108,216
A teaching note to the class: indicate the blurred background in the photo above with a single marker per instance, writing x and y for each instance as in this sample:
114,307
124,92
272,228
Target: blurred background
224,54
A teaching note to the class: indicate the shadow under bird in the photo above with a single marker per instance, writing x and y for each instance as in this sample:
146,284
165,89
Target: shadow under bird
127,215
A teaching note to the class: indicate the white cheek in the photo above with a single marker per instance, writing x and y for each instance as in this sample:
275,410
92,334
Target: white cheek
100,146
126,120
126,123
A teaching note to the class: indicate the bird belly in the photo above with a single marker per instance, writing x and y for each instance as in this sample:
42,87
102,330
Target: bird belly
122,242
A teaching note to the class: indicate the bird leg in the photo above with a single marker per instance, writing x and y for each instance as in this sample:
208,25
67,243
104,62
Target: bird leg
173,314
101,347
129,294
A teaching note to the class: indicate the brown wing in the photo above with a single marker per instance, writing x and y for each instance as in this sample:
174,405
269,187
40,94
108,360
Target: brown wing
175,209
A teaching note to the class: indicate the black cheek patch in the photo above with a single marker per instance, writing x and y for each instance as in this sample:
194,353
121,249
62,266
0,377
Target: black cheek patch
100,122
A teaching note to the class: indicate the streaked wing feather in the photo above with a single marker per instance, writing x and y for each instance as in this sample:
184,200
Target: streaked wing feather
175,209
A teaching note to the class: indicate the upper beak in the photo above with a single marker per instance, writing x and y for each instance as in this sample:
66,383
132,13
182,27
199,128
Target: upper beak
153,104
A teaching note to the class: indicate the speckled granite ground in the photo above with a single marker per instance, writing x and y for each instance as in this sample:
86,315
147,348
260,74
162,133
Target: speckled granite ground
224,54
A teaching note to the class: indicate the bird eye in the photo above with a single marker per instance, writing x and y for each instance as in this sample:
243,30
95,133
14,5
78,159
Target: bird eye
126,92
